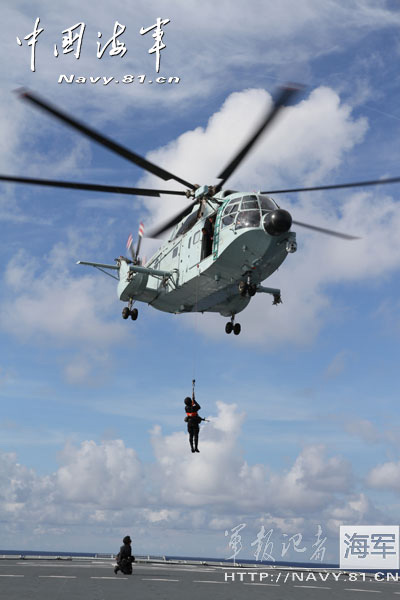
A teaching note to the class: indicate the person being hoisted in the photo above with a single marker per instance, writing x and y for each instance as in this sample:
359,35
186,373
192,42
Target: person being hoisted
193,420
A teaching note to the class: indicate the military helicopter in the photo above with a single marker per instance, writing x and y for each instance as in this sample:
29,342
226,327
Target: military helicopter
223,245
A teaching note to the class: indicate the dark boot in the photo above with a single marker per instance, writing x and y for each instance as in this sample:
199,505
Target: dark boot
196,450
116,569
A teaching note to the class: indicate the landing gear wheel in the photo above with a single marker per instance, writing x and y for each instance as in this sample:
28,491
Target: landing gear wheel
229,327
236,328
134,314
125,312
242,288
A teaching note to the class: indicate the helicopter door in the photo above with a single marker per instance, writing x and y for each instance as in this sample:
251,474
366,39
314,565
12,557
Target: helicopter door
194,249
175,256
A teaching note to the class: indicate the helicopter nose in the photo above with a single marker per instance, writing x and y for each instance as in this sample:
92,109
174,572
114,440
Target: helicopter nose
277,222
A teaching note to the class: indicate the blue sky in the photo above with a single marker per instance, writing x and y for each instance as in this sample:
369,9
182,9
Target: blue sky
303,405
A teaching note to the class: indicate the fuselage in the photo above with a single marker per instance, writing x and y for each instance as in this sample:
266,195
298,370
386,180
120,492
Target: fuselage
241,249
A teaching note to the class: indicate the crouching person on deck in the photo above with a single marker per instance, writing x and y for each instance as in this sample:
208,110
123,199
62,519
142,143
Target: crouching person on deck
125,558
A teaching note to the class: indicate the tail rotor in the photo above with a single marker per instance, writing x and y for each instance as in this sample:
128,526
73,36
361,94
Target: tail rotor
140,235
130,246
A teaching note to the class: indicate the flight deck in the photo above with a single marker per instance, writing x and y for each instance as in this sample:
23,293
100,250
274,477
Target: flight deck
94,579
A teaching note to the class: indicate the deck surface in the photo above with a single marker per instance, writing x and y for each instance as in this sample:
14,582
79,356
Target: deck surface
95,580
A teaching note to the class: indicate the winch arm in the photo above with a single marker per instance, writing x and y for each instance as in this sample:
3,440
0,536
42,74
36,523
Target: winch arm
98,265
273,291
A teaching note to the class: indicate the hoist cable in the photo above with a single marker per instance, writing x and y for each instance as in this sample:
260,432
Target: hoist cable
196,322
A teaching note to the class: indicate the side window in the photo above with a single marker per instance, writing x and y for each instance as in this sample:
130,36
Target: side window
228,220
190,239
229,214
196,237
231,208
175,251
186,225
267,203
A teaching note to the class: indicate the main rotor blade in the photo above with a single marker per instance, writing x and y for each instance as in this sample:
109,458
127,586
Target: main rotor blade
343,236
113,189
154,233
336,186
102,139
286,93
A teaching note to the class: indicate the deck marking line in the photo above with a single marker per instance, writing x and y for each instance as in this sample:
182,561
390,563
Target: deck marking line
57,576
270,584
12,575
186,569
313,587
208,581
360,590
115,578
157,579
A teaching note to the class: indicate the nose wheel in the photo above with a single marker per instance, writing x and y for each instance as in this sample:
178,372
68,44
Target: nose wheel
128,311
232,326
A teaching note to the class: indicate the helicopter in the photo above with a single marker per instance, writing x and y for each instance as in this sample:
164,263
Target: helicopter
222,246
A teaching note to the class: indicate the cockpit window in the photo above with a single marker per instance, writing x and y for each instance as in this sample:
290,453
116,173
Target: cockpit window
229,213
246,211
248,218
267,203
228,220
249,202
231,208
249,214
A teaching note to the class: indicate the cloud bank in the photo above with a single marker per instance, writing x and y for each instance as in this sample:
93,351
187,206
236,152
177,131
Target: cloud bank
105,489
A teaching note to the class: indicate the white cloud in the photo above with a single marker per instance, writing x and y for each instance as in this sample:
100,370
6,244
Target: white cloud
62,308
106,489
46,301
338,364
286,525
385,476
355,510
389,314
310,484
109,475
307,141
364,429
19,482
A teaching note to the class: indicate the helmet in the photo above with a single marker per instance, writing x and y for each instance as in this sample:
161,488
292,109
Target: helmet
127,539
188,400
